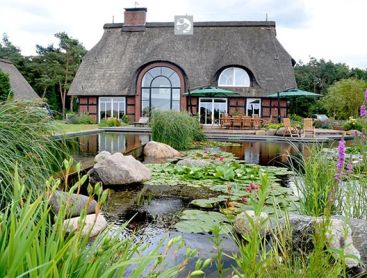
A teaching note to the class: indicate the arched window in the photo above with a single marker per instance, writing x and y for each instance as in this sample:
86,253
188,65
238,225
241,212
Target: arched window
234,77
160,89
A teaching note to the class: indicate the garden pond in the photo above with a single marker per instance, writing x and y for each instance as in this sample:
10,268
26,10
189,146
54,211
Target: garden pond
189,201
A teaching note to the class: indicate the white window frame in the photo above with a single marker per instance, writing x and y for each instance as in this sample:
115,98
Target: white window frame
111,100
249,100
247,81
212,98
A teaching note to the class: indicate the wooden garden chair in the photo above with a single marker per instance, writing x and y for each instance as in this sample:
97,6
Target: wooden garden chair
237,121
288,127
256,123
226,121
308,128
246,122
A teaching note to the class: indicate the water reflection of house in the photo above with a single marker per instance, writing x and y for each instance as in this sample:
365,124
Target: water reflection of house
137,66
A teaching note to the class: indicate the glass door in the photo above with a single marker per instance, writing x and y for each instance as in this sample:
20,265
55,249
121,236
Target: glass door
210,110
253,107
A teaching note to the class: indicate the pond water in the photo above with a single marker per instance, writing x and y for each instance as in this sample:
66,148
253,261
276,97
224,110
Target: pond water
153,210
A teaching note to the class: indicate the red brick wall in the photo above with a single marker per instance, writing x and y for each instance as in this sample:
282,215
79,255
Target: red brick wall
89,105
134,18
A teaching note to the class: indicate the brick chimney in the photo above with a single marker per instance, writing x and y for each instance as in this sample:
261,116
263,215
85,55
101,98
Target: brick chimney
135,17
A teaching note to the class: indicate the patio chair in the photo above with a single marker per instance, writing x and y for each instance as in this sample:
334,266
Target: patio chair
143,121
226,121
288,127
246,122
237,121
256,123
308,128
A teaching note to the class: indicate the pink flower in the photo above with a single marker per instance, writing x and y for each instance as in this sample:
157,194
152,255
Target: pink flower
362,111
249,189
244,200
221,158
254,186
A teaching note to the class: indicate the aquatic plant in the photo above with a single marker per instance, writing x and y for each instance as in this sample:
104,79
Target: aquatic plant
26,143
177,129
35,244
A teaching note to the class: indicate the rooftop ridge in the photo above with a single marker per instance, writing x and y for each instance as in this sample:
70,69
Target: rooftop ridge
201,24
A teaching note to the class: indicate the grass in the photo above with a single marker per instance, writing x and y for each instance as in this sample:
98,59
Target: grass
33,243
25,143
60,127
177,129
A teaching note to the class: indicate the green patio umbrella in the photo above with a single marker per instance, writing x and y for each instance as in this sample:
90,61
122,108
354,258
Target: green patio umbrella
211,92
291,93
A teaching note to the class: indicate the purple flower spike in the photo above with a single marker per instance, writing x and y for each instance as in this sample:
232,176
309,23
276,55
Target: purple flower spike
341,159
349,168
363,111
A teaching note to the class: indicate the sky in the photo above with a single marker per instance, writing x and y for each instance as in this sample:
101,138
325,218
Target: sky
335,30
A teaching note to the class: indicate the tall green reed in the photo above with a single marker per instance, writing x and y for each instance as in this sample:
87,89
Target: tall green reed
33,243
177,129
25,141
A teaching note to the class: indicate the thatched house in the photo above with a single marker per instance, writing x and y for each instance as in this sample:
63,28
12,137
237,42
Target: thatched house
20,87
137,66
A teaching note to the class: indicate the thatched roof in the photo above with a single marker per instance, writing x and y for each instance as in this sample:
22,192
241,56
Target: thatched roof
20,87
111,67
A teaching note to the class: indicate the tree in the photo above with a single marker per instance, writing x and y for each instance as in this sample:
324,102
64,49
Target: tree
10,51
344,98
5,89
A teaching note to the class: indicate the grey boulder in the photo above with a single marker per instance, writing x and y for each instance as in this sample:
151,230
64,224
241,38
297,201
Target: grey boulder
75,203
118,169
101,156
158,150
92,226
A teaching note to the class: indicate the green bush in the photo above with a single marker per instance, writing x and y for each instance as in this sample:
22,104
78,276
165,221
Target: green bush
81,118
273,126
296,120
110,122
354,124
26,144
177,129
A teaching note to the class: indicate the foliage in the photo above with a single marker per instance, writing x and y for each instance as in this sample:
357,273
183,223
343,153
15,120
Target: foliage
177,129
60,127
79,118
110,122
316,182
344,98
273,125
125,119
354,124
25,142
297,120
36,244
5,89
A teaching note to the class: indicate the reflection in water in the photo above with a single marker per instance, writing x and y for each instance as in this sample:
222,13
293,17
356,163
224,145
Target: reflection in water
266,153
107,141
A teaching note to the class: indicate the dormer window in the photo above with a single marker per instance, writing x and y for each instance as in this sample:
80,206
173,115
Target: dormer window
234,77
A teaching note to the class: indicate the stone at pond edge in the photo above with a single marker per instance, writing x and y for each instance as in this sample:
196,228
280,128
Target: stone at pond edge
338,234
243,225
118,169
93,224
101,156
76,203
160,150
193,162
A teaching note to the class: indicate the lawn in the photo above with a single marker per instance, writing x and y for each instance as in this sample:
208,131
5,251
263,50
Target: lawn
61,127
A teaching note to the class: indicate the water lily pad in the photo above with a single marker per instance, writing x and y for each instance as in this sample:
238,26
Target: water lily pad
197,221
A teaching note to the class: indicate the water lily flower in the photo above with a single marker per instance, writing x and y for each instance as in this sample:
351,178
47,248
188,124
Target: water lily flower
221,158
254,186
244,199
248,189
341,159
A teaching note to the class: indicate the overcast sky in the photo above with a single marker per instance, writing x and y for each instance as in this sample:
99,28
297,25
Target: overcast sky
330,29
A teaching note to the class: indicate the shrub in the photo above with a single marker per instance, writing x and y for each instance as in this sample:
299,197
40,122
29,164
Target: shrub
177,129
26,144
273,125
353,124
81,118
296,120
110,122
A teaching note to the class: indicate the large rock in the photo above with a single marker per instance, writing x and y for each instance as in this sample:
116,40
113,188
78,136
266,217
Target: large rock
74,203
119,169
93,224
159,150
193,162
101,156
338,235
245,221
